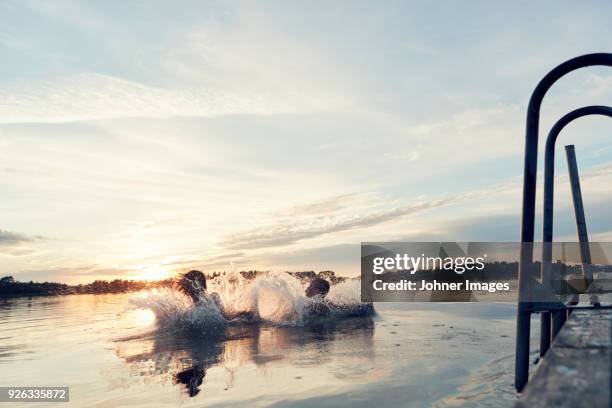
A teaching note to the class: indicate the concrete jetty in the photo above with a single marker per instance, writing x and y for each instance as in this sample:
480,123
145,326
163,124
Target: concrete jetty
576,370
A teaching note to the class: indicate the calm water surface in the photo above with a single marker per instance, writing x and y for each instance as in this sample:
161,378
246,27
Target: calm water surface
111,355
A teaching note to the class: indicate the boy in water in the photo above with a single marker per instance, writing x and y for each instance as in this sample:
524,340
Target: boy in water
193,284
319,306
317,287
317,290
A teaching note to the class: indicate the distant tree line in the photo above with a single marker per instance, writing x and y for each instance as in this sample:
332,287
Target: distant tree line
306,276
10,287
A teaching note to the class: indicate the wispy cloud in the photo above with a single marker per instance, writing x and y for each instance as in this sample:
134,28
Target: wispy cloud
327,205
492,201
17,244
8,238
91,96
289,233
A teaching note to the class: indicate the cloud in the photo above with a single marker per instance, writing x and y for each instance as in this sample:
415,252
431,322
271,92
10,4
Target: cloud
72,275
327,205
208,67
17,244
492,222
91,96
8,238
283,234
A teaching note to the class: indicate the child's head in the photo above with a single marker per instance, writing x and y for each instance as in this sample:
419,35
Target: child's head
193,284
318,286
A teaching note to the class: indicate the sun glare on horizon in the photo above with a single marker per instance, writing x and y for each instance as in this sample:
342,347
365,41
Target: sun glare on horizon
152,274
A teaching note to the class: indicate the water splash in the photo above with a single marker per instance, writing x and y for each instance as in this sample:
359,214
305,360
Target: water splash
345,298
276,298
173,310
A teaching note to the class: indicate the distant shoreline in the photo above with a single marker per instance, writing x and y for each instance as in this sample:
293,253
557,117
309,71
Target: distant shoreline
27,289
9,287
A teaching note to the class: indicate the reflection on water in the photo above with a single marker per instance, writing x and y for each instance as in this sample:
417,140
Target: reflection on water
111,355
185,357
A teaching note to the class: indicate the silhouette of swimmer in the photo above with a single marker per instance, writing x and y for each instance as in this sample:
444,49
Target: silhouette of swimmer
193,284
317,290
317,287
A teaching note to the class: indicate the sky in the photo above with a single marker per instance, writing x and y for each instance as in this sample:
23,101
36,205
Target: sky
140,139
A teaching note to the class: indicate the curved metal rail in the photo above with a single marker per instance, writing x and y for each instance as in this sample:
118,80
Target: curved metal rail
526,277
547,230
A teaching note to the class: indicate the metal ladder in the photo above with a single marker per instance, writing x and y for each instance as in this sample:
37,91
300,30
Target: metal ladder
555,311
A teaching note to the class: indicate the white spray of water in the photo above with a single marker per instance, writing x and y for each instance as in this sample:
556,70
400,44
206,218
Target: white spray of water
276,298
172,309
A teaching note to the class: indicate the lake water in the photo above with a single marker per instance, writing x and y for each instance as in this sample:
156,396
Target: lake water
112,354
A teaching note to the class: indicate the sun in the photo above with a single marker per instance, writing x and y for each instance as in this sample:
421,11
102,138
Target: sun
152,273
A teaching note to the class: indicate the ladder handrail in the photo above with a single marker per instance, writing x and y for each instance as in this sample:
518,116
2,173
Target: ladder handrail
525,306
549,162
547,225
